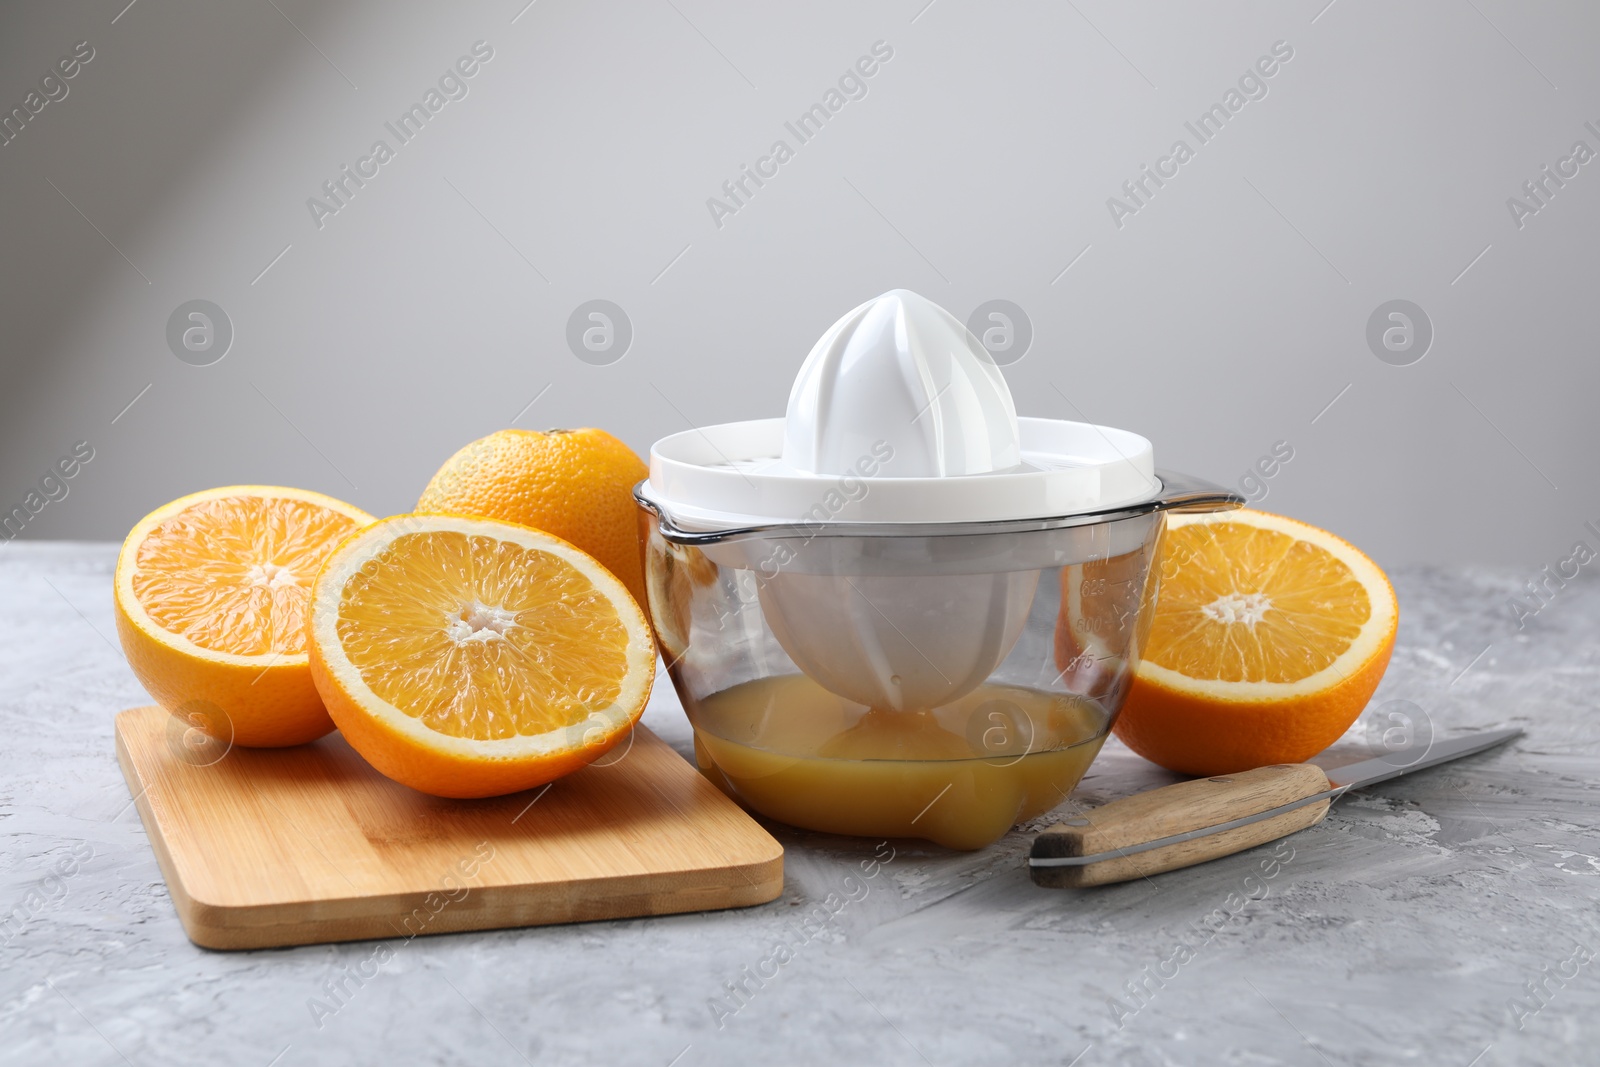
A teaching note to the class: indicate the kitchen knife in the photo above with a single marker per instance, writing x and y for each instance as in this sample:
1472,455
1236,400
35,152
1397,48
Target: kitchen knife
1191,822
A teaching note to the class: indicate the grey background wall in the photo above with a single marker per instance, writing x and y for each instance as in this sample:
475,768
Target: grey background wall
1227,313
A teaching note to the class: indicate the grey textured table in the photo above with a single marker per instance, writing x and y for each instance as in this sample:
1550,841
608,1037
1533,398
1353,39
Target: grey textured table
1406,928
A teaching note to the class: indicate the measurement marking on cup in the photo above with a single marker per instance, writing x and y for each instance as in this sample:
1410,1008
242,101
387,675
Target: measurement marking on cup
931,803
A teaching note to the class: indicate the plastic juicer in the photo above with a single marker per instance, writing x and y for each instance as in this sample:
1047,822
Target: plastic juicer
901,610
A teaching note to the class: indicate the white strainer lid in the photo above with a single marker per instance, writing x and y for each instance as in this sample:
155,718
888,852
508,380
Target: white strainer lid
732,475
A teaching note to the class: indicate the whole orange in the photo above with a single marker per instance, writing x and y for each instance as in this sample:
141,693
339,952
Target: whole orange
575,484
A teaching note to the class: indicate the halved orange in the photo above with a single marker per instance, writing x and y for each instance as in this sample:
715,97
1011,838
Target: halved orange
1269,637
211,598
467,657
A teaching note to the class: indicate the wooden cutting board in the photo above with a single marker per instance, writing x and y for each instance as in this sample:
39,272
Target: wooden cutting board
267,847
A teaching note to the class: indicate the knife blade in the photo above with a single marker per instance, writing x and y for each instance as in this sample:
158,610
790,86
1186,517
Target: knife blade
1191,822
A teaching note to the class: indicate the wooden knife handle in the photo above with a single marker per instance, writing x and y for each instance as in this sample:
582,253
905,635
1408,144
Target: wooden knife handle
1177,809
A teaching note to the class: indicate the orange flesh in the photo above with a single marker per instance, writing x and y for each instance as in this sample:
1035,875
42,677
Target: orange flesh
234,574
1253,605
480,638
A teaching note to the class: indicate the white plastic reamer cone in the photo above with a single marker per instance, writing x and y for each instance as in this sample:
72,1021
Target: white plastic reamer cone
900,376
901,370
